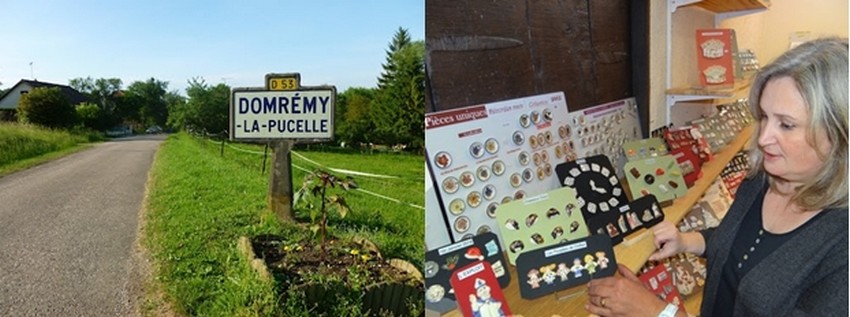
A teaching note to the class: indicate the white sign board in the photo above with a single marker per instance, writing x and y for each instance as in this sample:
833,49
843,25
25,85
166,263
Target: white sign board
296,114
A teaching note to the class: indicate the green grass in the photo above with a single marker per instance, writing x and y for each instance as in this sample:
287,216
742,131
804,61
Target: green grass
200,202
23,146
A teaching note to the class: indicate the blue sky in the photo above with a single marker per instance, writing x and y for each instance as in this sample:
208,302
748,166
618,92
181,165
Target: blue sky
341,43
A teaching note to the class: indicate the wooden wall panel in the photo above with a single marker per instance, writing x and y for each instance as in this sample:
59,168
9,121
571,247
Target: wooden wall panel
482,51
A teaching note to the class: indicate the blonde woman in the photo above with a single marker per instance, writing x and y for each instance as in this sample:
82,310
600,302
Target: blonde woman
782,248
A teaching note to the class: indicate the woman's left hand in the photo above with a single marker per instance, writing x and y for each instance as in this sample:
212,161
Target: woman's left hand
623,295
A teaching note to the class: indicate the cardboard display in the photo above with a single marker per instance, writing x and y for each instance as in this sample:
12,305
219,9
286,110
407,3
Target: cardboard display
659,279
603,129
714,56
442,262
539,221
644,149
554,268
478,291
688,137
600,194
486,155
660,176
690,164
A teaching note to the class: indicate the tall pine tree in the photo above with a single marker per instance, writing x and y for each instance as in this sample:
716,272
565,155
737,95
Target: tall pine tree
398,110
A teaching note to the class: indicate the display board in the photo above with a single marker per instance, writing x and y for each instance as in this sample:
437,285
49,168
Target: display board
486,155
539,221
603,129
441,264
565,265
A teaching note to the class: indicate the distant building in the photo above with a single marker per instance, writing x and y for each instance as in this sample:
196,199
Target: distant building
9,100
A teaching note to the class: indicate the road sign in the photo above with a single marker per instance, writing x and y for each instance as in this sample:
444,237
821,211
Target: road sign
260,114
283,81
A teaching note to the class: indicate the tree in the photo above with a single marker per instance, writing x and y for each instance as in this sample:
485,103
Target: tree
175,103
353,122
149,97
46,107
399,107
91,116
400,39
205,109
102,91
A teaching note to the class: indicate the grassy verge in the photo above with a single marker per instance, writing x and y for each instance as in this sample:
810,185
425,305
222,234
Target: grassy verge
23,146
200,202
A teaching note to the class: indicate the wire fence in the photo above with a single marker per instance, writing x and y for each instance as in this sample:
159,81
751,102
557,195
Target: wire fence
221,139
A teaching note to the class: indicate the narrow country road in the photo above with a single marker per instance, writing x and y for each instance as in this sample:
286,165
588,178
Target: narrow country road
67,231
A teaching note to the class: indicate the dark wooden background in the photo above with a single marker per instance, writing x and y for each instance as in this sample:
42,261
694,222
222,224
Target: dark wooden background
481,51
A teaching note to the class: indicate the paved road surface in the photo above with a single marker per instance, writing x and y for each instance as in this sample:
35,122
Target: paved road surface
67,230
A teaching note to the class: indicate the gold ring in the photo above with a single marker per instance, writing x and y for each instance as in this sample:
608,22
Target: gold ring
602,302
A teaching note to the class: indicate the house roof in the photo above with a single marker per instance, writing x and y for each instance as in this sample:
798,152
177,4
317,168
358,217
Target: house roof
74,96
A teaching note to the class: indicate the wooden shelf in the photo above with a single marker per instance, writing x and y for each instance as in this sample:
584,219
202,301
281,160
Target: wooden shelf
712,92
632,252
722,6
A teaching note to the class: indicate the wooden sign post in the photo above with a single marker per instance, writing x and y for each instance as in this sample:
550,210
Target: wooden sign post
282,113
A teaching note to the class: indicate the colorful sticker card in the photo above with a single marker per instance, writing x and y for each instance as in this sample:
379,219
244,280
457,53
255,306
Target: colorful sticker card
689,274
554,268
644,212
660,281
660,176
535,222
688,137
442,262
478,291
600,193
690,164
644,149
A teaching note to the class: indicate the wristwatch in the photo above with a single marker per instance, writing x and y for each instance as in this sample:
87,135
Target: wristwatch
669,311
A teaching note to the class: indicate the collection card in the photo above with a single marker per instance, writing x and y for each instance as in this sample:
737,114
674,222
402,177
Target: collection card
689,273
690,164
660,176
442,262
600,194
691,138
478,291
714,58
539,221
554,268
660,281
644,149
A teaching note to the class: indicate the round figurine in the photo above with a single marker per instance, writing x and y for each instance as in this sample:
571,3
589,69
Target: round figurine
461,224
483,173
467,179
491,145
450,185
498,168
457,206
491,210
524,121
518,138
473,199
443,159
476,149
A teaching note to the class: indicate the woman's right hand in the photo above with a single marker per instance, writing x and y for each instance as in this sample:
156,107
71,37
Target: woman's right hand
668,241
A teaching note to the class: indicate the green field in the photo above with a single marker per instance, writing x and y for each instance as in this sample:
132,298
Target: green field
199,202
23,146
